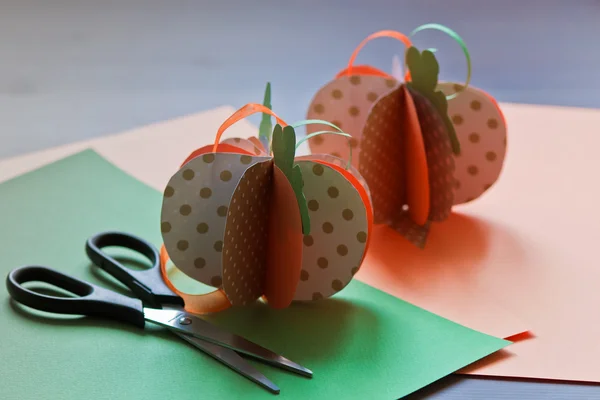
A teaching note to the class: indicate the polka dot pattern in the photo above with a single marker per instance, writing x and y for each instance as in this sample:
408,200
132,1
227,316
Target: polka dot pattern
194,211
440,160
482,135
246,236
340,163
347,101
381,163
381,159
333,250
308,240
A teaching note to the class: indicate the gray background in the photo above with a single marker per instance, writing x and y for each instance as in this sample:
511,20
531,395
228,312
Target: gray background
71,70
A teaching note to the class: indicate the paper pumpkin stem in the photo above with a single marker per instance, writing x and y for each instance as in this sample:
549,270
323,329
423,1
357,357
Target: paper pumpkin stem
456,37
284,151
266,127
424,70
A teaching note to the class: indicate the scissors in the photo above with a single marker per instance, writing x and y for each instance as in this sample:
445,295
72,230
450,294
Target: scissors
154,302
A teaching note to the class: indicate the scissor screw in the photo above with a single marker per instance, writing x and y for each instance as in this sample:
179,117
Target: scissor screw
185,321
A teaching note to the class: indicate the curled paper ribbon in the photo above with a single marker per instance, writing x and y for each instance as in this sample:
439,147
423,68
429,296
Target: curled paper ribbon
212,302
462,45
339,132
244,112
385,33
370,70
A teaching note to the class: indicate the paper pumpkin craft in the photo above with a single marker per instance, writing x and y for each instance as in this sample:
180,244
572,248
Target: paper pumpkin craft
422,146
254,223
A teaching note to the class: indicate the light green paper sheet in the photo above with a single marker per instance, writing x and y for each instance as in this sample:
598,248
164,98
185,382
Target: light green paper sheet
361,344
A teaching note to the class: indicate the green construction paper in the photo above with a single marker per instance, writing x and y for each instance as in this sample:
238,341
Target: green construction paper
266,127
361,344
284,152
424,70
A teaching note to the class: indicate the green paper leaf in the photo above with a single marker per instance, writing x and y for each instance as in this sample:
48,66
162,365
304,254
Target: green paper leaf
289,137
284,151
456,37
424,70
265,128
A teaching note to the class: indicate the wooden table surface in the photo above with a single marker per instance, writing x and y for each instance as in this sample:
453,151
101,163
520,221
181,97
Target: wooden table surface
71,70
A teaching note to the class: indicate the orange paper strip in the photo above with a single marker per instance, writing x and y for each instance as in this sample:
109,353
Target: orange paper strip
380,34
284,250
244,112
415,166
363,70
194,303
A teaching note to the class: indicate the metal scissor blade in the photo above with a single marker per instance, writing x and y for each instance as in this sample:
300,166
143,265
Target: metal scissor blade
232,360
194,326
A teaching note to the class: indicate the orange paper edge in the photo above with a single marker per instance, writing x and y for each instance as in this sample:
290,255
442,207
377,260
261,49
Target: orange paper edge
284,249
416,170
222,148
199,303
364,70
258,144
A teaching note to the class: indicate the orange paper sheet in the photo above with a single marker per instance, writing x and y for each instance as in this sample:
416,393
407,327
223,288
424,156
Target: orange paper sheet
526,247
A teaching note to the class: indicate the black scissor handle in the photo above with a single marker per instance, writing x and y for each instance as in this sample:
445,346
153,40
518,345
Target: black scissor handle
92,300
148,284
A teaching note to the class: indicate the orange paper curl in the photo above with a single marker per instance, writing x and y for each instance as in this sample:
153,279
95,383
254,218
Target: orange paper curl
244,112
194,303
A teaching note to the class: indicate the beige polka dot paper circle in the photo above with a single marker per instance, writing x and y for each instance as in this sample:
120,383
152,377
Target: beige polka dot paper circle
345,102
194,212
481,131
328,158
334,250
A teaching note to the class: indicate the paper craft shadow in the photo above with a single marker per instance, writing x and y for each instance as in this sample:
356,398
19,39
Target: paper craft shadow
456,248
306,332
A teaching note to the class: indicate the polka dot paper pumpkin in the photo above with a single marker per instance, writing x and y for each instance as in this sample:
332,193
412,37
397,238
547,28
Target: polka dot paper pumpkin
419,152
257,225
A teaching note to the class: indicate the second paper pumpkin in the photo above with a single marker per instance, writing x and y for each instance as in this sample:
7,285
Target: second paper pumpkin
419,152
